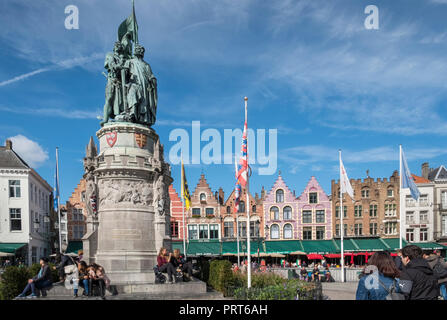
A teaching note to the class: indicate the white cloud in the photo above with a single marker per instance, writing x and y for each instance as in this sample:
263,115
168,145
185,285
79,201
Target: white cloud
29,150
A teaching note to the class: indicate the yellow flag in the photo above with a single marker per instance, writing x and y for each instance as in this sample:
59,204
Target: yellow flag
185,191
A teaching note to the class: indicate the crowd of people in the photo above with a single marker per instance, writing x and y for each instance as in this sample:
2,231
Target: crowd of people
73,273
411,275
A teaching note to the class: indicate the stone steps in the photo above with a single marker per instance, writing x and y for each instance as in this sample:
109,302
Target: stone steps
181,288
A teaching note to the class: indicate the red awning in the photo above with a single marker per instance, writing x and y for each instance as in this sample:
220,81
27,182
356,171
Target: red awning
314,256
333,255
393,254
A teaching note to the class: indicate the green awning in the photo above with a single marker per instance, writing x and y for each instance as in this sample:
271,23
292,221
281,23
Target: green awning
203,248
370,245
230,247
348,246
74,246
10,247
430,245
393,243
319,246
283,246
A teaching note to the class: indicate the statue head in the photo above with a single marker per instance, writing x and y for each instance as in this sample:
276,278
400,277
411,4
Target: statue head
118,47
139,51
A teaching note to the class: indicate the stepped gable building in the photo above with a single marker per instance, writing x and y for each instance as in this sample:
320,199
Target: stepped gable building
176,215
374,211
314,210
419,218
229,217
204,221
438,177
76,213
281,213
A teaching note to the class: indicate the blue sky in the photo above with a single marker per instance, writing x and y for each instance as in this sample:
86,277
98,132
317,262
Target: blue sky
309,68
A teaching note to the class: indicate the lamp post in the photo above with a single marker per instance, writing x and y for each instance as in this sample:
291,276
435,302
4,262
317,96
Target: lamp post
257,223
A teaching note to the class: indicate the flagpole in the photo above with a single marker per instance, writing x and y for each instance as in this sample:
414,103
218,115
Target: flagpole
342,229
247,205
400,196
237,220
58,200
183,207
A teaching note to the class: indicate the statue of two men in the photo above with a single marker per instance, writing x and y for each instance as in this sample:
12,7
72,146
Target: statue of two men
138,101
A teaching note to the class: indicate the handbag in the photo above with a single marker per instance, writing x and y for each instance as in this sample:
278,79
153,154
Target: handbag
392,294
70,268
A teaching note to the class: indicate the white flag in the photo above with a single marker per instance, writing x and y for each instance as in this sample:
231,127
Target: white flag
345,185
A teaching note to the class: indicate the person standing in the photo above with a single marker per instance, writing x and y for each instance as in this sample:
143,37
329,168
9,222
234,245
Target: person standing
439,268
398,260
417,280
41,281
380,277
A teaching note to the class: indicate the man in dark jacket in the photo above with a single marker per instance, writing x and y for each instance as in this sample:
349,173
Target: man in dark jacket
417,281
398,260
433,260
63,260
41,281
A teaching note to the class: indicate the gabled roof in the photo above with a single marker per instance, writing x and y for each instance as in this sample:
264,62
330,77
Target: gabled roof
281,184
10,159
439,173
313,183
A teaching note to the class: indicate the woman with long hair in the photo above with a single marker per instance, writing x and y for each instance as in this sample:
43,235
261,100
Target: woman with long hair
163,259
380,278
180,264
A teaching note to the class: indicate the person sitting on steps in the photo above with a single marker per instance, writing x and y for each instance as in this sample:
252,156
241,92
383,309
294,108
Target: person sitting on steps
179,263
163,263
41,281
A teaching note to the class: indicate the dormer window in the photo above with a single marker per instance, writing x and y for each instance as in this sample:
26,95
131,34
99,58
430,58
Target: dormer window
313,197
279,196
202,197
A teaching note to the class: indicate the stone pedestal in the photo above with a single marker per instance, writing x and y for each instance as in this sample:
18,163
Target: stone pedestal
133,201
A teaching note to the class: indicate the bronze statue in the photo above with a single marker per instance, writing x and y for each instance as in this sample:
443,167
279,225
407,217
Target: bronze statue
131,91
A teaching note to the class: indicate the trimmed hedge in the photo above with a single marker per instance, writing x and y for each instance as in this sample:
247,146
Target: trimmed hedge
289,290
221,276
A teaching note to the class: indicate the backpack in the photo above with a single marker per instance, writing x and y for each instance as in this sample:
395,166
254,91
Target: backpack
439,271
392,294
159,277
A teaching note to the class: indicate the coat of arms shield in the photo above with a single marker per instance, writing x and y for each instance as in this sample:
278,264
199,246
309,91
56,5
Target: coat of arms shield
141,139
111,138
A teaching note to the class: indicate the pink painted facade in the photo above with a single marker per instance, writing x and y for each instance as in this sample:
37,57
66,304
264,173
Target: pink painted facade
315,201
287,217
280,213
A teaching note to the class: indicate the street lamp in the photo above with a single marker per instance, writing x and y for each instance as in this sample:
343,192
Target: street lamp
36,225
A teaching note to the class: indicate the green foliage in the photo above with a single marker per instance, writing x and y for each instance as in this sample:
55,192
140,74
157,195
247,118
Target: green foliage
13,281
204,266
288,290
221,276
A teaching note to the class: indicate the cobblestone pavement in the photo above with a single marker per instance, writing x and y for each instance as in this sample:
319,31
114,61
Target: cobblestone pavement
340,290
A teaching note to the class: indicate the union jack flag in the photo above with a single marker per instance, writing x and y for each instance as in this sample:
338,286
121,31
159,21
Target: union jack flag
237,196
243,164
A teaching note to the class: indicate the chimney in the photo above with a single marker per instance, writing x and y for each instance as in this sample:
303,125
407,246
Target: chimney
221,196
425,170
262,193
8,144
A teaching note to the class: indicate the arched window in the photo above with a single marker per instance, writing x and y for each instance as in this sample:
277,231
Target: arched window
274,231
241,207
202,197
288,234
279,196
274,213
228,210
287,213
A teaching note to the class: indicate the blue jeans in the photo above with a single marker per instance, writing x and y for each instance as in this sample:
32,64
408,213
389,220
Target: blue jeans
442,287
36,285
84,284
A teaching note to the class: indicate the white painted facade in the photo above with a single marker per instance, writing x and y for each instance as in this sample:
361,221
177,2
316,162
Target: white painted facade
419,215
20,209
